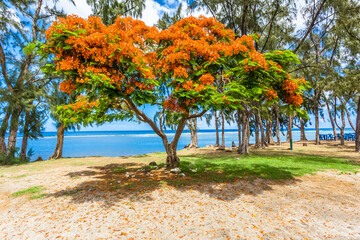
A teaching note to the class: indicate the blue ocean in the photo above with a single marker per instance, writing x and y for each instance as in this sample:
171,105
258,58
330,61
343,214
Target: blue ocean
126,143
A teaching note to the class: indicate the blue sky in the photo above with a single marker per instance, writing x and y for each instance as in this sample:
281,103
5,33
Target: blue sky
153,11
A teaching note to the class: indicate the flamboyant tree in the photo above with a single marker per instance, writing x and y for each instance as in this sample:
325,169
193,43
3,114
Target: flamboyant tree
121,68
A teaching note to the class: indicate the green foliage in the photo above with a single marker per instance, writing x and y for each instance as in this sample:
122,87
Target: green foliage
166,20
11,159
109,10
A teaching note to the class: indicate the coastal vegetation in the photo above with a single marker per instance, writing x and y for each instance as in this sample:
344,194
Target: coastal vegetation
265,66
237,73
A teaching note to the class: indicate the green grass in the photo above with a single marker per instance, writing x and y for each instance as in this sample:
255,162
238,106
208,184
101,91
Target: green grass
119,170
228,167
31,190
38,196
20,176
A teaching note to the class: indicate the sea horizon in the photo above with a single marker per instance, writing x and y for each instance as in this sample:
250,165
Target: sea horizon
117,143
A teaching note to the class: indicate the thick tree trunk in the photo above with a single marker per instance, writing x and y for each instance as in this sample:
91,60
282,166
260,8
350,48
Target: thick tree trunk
4,126
172,160
277,124
222,129
14,125
263,140
317,129
239,128
59,143
257,137
331,118
357,131
25,138
217,130
302,130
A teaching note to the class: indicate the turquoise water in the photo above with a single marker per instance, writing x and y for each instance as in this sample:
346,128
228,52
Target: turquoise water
126,143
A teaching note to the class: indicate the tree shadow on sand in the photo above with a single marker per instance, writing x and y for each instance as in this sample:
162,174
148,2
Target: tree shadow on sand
112,183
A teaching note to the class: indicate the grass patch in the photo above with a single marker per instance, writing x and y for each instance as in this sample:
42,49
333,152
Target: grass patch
221,168
37,196
140,156
119,170
31,190
20,176
78,163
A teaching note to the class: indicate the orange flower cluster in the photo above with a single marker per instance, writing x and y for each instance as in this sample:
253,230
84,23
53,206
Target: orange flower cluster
271,94
188,85
189,44
206,79
82,104
291,87
67,86
278,67
90,47
257,58
172,104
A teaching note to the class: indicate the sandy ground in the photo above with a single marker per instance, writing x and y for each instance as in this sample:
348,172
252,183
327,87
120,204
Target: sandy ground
78,204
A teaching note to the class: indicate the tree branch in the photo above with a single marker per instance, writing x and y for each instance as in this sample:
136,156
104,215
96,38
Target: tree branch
312,24
207,5
145,118
4,69
197,115
271,25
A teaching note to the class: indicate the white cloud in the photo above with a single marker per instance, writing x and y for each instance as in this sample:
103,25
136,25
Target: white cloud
81,8
152,12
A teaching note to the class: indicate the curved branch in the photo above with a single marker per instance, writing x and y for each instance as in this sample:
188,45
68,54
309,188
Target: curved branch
197,115
142,117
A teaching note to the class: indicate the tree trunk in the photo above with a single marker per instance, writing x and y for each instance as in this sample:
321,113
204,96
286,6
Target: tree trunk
25,135
263,143
245,125
59,143
14,125
357,131
257,139
4,126
222,129
277,125
172,160
217,130
331,119
349,118
193,132
317,130
239,128
289,130
302,130
342,129
269,138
